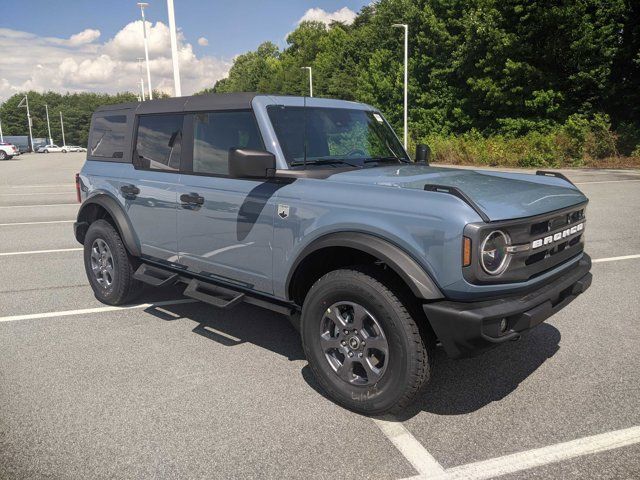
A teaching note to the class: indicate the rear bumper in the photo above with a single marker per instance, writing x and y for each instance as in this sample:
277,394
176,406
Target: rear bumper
466,329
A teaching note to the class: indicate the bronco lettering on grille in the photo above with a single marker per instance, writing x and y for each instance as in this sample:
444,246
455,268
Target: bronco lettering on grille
557,236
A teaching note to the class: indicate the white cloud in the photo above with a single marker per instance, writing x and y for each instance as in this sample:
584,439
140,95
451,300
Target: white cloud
79,63
203,42
86,36
344,15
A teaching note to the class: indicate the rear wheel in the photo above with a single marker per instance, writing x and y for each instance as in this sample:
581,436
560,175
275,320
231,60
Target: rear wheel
3,155
362,343
108,265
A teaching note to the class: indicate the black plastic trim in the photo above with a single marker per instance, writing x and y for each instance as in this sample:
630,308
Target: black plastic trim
127,233
456,192
468,328
549,173
400,262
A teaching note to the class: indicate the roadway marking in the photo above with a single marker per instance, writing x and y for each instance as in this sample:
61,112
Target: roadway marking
35,193
517,462
49,205
606,181
35,252
410,448
35,223
614,259
84,311
42,185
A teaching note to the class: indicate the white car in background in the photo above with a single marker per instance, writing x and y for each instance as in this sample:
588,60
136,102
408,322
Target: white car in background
8,151
51,148
75,148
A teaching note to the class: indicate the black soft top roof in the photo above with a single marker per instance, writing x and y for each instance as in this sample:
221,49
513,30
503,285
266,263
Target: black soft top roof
211,101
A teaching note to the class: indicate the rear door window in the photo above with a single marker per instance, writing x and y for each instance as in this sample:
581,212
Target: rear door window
159,142
108,137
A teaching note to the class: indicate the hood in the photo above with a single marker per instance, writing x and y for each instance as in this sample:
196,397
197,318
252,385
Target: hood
500,195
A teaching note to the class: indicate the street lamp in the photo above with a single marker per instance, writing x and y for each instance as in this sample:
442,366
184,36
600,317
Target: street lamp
142,6
177,90
141,79
310,80
64,143
406,74
25,103
48,124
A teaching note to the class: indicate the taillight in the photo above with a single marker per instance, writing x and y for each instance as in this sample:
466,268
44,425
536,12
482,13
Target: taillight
78,188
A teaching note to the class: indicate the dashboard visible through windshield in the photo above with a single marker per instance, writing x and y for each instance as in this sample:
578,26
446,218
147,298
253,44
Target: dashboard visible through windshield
326,136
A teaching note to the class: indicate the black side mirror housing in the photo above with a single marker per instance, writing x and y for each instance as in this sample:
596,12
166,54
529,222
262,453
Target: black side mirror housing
423,153
244,163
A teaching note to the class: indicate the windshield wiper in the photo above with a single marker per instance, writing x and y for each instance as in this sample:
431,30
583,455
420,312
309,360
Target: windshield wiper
325,161
382,159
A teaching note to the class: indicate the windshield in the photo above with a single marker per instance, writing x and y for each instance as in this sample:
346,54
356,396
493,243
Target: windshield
334,135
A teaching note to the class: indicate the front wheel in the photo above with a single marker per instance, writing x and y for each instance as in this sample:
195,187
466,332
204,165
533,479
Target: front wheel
3,155
64,151
363,346
108,265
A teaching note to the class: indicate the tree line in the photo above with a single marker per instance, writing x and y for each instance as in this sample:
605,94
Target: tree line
505,68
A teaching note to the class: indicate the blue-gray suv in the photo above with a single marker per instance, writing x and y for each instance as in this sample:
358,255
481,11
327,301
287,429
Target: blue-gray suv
312,208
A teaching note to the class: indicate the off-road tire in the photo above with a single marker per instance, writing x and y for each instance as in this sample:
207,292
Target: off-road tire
124,287
408,370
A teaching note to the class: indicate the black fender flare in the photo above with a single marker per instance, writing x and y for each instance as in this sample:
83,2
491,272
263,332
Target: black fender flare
416,278
115,210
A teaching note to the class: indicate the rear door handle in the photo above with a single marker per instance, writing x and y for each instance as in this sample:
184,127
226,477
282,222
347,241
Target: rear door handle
129,191
191,199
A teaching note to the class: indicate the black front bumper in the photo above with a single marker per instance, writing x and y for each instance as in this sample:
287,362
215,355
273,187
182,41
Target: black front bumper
466,329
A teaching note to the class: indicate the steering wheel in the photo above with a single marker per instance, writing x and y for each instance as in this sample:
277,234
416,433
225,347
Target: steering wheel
357,151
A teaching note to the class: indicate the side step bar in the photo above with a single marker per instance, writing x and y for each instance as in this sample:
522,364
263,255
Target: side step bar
156,277
212,294
209,292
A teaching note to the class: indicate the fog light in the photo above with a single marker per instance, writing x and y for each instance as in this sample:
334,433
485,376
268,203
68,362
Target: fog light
503,325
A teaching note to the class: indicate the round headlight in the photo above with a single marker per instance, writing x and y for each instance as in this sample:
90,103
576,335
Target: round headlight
493,253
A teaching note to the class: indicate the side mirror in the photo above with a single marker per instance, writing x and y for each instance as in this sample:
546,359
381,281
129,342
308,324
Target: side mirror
423,153
245,163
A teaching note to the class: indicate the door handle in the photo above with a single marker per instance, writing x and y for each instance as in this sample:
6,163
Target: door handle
129,191
191,199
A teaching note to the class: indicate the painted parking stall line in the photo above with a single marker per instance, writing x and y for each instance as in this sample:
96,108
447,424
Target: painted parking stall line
41,205
87,311
35,223
36,252
615,259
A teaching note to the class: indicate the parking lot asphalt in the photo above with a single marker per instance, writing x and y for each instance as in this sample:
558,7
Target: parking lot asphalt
181,390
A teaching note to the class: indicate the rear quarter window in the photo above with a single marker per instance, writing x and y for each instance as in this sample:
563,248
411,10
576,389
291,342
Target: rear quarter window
107,137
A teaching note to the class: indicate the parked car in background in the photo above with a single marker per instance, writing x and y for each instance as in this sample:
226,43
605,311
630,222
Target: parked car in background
8,151
74,148
51,148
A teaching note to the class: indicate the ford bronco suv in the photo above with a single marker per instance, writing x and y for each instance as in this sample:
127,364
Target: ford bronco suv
312,208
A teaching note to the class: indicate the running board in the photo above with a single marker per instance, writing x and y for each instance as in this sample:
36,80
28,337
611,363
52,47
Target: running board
213,295
156,277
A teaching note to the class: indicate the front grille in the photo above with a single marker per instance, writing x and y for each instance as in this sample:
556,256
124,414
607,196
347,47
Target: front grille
547,241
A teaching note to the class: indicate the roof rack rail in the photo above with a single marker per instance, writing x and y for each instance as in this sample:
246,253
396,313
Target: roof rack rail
456,192
549,173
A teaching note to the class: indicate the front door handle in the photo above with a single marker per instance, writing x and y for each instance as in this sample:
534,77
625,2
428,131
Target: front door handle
129,191
191,199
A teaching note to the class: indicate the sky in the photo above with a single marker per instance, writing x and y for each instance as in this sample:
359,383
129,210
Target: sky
90,45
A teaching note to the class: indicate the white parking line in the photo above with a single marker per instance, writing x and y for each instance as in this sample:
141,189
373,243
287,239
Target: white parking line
606,181
42,185
68,313
35,252
614,259
35,193
538,457
410,447
49,205
35,223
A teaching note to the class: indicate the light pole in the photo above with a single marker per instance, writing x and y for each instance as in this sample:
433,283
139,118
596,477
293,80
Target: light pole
1,137
46,108
141,79
406,75
177,90
142,6
64,144
310,80
25,101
